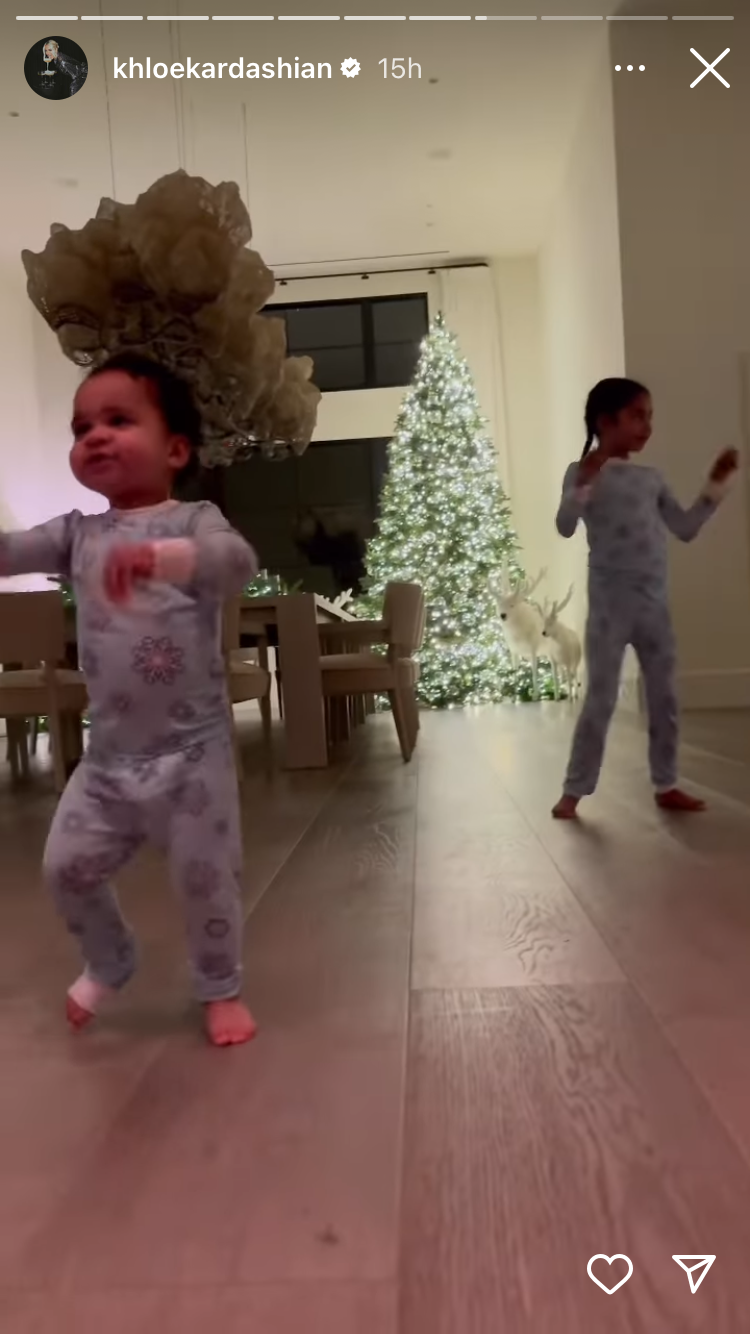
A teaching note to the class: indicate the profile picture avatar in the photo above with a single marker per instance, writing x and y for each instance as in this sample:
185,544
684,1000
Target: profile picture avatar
56,68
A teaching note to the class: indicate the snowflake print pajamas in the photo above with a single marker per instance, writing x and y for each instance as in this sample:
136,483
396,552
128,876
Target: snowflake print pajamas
627,513
183,801
160,764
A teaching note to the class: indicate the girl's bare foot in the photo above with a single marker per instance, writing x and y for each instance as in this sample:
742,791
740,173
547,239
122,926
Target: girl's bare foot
75,1014
566,808
83,1001
677,800
229,1022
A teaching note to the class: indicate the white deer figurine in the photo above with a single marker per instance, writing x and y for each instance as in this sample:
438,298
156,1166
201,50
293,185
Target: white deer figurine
522,620
562,645
343,600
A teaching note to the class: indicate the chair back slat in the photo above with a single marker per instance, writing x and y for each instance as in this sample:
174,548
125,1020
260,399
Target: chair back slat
230,627
404,617
32,628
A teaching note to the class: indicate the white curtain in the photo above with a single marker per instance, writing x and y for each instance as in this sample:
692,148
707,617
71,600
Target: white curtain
468,302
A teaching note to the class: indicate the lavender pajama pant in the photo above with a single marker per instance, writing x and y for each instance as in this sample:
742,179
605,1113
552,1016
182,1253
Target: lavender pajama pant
623,613
185,802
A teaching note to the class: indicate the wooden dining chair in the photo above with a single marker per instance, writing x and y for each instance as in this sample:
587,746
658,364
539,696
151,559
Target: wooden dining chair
32,640
246,680
394,672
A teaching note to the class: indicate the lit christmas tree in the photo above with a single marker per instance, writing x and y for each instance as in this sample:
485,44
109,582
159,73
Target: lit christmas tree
445,523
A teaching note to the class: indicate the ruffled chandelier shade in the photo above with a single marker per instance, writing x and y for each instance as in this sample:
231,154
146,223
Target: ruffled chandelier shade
170,276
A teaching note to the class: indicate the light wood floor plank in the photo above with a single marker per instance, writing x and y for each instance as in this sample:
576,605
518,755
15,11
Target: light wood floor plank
668,896
491,908
545,1125
301,1308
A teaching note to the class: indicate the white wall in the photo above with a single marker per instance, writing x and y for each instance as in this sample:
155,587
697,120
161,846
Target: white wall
38,387
19,422
581,312
519,308
35,480
561,330
684,195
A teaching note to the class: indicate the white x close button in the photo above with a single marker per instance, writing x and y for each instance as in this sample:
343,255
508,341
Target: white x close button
710,68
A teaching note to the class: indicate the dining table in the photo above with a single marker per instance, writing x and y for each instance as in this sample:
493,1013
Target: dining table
293,625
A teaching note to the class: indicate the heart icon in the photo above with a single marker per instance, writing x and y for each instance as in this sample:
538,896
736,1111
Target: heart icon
610,1260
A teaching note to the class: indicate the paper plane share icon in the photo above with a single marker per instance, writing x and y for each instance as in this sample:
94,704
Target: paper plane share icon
696,1267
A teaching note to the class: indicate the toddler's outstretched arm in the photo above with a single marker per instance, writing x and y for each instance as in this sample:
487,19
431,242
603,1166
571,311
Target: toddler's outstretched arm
41,550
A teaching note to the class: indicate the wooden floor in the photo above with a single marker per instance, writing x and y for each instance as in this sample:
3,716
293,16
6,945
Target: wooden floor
491,1046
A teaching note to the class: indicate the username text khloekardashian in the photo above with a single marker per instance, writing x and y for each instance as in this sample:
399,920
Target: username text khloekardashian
197,69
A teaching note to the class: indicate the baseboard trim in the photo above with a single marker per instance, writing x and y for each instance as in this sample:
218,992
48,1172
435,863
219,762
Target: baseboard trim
715,689
695,690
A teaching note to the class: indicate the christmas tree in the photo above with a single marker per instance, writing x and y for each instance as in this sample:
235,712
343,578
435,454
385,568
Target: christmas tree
445,523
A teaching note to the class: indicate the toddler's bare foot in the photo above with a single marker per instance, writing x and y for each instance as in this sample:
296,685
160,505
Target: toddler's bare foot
84,999
677,800
566,808
229,1022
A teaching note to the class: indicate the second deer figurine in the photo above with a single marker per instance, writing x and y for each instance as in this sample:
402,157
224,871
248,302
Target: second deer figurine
562,645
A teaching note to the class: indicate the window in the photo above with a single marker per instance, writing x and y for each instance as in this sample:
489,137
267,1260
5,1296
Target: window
369,344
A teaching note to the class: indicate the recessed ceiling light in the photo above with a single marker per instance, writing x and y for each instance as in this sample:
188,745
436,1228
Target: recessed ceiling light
439,154
433,80
14,113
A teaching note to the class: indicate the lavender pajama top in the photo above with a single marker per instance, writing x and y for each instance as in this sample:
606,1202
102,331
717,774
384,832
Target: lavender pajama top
154,667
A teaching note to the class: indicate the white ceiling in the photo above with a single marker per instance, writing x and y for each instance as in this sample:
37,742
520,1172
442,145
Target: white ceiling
351,174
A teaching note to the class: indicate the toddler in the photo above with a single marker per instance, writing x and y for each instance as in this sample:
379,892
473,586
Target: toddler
150,577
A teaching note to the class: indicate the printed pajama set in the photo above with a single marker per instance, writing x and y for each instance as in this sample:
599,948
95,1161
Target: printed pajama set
627,512
160,764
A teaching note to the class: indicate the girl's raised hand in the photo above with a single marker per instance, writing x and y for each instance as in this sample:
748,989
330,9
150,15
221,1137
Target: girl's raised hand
727,463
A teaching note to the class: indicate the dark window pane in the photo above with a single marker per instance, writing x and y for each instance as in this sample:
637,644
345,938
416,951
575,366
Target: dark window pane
310,327
242,486
334,474
395,364
401,320
339,368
